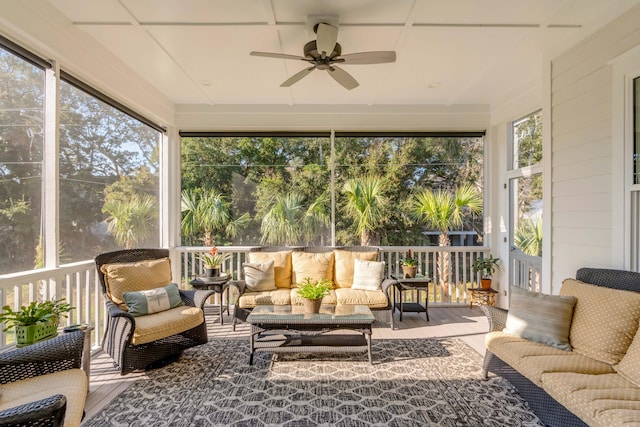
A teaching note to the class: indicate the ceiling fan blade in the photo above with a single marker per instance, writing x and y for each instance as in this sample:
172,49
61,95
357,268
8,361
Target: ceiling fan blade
327,38
377,57
342,77
297,76
278,55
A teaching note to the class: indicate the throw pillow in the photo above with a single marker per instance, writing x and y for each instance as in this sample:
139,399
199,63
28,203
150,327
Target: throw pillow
153,300
604,322
281,265
260,277
367,275
314,265
545,319
629,366
135,276
345,264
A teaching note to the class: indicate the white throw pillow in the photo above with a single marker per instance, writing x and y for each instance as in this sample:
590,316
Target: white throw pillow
367,275
260,277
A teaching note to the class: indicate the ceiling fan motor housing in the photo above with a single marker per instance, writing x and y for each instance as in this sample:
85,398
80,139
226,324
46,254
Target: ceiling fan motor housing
311,52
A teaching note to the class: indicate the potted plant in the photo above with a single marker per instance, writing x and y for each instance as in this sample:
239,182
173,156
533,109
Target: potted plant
486,266
213,262
409,265
313,291
35,322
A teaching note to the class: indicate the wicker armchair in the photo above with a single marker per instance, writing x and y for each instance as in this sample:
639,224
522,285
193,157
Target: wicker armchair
118,337
30,377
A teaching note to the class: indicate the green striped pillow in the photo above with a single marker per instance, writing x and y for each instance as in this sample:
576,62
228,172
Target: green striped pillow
153,301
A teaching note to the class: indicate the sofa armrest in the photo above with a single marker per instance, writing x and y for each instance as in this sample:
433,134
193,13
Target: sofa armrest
240,286
497,317
387,284
44,357
48,411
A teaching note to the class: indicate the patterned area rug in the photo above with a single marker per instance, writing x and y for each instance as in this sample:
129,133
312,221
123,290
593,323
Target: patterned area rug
411,383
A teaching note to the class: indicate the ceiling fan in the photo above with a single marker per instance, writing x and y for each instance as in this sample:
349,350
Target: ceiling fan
325,52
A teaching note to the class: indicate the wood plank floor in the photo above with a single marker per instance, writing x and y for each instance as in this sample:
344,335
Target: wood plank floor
470,325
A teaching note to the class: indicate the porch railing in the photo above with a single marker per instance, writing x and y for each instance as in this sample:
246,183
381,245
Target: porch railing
526,270
78,282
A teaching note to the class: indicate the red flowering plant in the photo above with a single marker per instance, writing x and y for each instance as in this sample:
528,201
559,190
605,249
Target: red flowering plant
213,259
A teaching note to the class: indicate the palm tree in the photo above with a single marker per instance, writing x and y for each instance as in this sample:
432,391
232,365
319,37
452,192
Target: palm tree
288,221
528,236
208,212
443,210
367,206
132,220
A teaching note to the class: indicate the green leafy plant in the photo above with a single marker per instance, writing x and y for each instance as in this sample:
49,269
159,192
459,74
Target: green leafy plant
486,266
409,260
34,313
213,259
314,289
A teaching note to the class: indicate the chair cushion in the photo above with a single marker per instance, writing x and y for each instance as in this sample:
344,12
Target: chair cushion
372,299
281,265
327,299
72,383
153,301
604,320
541,318
629,366
153,327
344,265
135,276
253,299
260,276
367,275
599,400
533,359
316,266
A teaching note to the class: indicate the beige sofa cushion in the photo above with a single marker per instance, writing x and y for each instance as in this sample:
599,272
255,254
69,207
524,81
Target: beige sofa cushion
604,320
599,400
134,277
344,265
541,318
155,326
316,266
328,299
253,299
72,383
629,366
372,299
281,265
533,359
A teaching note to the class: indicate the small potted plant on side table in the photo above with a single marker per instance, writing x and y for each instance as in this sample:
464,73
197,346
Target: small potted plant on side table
486,266
213,262
409,266
35,322
313,291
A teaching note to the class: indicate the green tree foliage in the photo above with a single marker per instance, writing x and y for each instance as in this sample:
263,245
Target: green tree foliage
289,221
131,221
528,236
367,206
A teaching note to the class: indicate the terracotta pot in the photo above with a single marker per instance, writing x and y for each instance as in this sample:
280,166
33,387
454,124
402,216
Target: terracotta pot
312,306
486,283
409,272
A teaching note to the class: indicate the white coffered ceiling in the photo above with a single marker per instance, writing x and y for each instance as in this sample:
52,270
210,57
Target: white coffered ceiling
448,52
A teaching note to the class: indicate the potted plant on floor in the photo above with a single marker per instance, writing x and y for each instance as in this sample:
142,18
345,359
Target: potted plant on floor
409,265
313,291
486,266
35,322
213,262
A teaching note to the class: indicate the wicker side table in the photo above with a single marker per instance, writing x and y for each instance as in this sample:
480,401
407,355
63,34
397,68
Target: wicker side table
219,284
482,296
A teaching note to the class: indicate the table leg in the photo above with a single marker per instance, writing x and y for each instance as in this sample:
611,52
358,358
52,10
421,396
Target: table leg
426,302
367,336
251,344
401,303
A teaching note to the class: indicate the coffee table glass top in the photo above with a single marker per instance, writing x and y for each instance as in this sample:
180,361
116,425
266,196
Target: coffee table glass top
295,314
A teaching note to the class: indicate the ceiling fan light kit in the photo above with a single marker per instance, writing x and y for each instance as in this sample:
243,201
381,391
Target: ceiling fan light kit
324,52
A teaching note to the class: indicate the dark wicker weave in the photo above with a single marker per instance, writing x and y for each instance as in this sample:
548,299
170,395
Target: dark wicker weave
242,313
545,407
56,354
120,326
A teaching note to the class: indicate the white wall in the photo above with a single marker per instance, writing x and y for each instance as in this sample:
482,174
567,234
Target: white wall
584,187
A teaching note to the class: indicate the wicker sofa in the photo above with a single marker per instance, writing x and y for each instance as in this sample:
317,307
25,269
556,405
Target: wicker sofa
293,264
596,382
